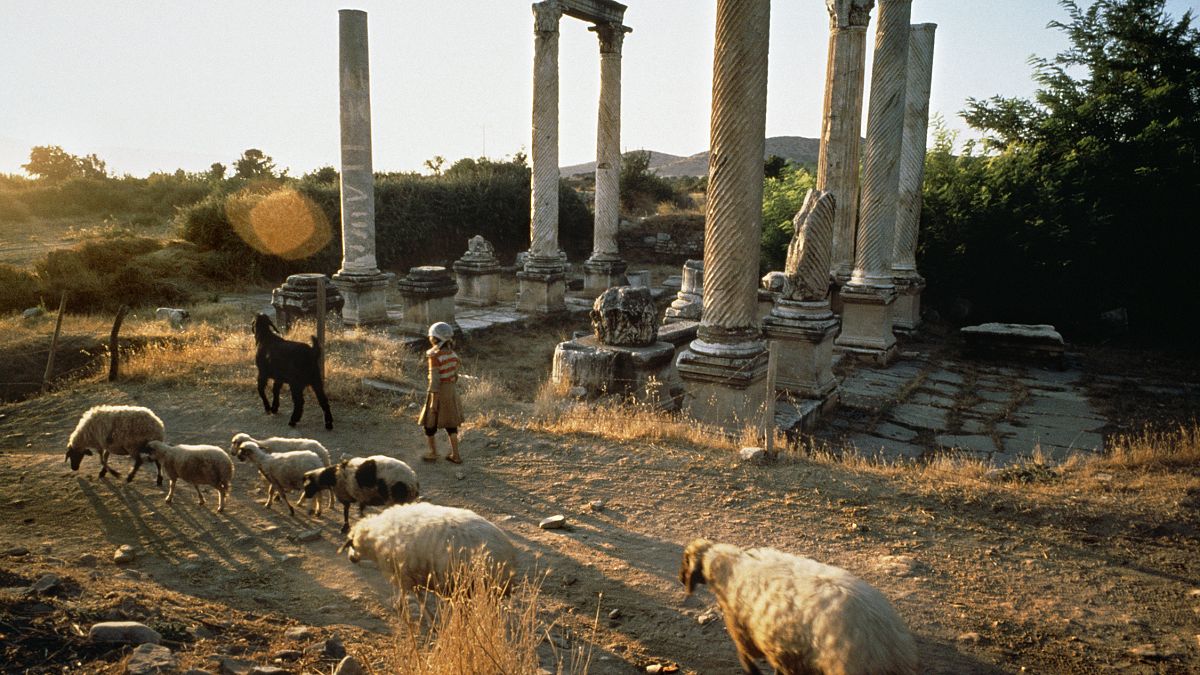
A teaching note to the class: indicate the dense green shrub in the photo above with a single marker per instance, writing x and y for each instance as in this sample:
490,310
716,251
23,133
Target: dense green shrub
147,200
642,189
103,274
18,289
782,198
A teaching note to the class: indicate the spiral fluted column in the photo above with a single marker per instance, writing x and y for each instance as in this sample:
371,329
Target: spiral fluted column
542,282
906,314
359,280
605,268
841,126
867,298
723,367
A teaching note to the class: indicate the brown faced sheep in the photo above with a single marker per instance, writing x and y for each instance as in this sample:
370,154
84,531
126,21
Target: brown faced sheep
803,617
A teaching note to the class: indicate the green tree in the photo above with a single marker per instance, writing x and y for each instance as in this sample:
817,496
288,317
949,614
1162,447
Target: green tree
254,164
773,166
52,163
783,196
1077,199
216,172
641,188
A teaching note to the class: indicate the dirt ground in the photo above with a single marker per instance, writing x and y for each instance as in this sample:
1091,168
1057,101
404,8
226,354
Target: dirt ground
1088,572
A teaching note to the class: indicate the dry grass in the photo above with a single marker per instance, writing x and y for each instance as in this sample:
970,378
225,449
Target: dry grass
477,628
1177,448
621,423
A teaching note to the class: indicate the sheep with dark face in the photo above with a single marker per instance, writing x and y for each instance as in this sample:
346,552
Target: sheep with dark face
367,481
288,362
803,617
117,430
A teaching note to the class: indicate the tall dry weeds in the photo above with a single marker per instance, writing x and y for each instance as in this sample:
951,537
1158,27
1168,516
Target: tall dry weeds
478,627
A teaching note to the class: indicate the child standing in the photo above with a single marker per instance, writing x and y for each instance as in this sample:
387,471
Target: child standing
441,409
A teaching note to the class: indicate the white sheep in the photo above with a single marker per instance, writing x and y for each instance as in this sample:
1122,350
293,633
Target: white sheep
198,465
422,545
802,616
377,480
116,429
276,444
284,471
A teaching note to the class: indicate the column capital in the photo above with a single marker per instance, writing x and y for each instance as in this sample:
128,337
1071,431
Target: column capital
612,36
849,13
546,15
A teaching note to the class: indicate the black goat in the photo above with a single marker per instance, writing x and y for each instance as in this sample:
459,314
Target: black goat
287,362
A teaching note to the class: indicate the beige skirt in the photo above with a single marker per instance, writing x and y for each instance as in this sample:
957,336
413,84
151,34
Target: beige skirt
441,409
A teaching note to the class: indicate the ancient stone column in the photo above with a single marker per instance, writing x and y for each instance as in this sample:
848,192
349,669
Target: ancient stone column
801,323
724,367
361,283
543,281
688,304
605,268
906,313
867,298
837,164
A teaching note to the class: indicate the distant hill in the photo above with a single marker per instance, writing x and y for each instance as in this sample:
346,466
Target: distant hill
797,149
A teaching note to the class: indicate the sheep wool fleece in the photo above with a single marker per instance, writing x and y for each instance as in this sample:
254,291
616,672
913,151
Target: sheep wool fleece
441,409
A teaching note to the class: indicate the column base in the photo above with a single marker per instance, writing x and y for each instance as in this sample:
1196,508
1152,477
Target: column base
724,385
867,323
803,334
364,296
477,287
600,274
541,292
906,312
643,373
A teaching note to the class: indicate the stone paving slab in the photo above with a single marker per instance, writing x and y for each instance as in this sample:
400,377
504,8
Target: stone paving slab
873,446
920,416
946,376
977,444
894,432
925,398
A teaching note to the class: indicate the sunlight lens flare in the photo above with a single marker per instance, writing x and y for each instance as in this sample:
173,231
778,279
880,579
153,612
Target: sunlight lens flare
282,223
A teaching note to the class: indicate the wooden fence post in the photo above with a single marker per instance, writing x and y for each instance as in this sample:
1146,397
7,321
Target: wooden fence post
769,412
321,323
62,305
114,354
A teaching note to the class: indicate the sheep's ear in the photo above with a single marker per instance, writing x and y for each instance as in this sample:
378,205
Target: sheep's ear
691,570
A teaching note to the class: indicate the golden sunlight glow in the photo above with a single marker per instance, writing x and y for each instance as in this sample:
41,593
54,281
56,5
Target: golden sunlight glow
284,223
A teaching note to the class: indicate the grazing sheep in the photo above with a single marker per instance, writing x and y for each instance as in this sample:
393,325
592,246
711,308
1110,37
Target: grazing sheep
803,617
367,481
116,429
284,471
198,465
177,318
287,362
421,545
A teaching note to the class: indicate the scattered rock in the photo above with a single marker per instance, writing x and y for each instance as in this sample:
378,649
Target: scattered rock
126,632
1151,652
289,558
197,671
615,613
149,658
349,666
16,552
460,474
897,565
287,655
228,666
49,584
300,633
269,670
125,554
87,560
706,618
625,316
244,540
970,637
597,505
306,536
201,633
32,313
272,529
757,456
553,522
334,649
327,609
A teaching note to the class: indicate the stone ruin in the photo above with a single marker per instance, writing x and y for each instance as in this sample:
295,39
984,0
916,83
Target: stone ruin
428,297
478,274
623,356
297,297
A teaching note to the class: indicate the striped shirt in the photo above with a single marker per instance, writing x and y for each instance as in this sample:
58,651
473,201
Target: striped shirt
444,363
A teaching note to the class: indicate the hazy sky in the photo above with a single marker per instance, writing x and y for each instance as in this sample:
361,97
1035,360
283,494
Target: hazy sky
163,85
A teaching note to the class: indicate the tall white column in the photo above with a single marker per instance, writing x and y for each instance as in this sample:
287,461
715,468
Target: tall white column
605,268
841,127
543,281
723,367
906,314
361,283
867,298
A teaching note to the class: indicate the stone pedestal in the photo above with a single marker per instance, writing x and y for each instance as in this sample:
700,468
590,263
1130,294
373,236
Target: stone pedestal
724,383
478,274
803,333
906,311
642,372
867,323
364,297
297,297
600,274
542,286
689,301
428,297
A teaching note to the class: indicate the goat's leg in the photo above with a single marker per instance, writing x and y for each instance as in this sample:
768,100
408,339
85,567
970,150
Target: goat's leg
297,403
262,391
319,390
275,396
